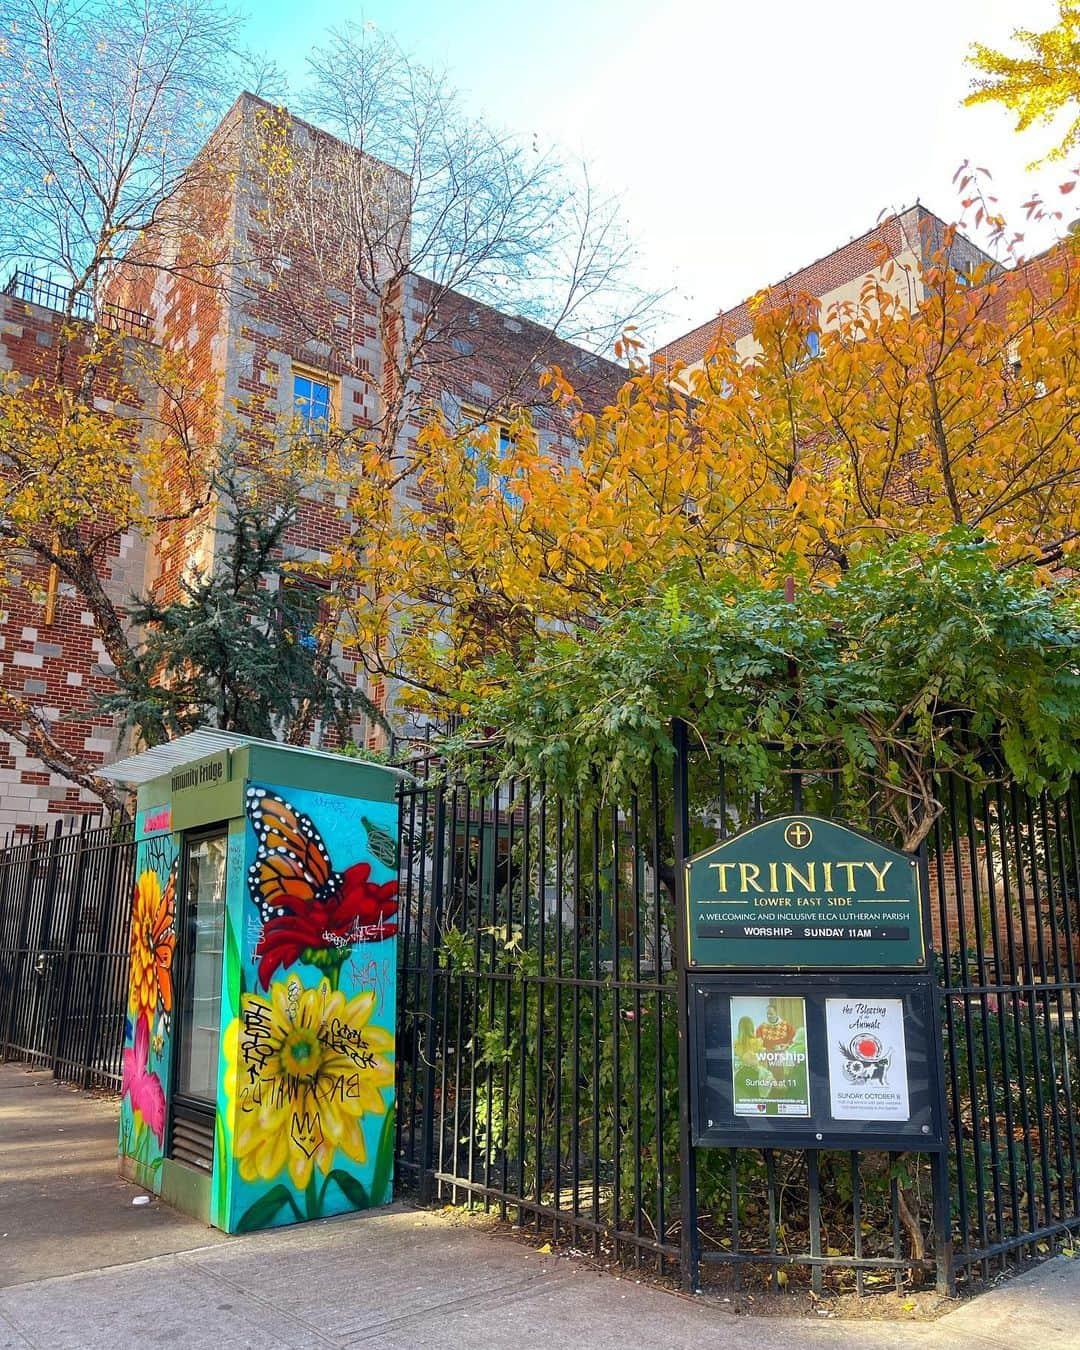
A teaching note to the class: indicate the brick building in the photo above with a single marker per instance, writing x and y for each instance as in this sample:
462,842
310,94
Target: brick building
907,241
259,314
259,319
50,651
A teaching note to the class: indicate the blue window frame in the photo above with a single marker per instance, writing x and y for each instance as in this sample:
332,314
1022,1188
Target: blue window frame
485,478
813,344
312,402
304,606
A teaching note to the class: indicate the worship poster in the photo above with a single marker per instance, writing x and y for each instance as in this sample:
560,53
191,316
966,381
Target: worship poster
768,1056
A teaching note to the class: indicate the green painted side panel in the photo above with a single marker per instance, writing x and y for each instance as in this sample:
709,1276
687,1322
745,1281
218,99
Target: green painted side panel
186,1189
153,794
191,810
356,778
206,791
804,893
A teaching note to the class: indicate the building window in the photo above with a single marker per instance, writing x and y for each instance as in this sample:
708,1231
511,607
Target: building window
305,607
809,351
313,400
485,478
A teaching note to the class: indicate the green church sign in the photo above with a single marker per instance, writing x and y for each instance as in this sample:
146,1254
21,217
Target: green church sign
803,893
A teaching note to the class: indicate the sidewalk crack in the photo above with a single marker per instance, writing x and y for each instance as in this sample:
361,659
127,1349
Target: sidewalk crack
244,1291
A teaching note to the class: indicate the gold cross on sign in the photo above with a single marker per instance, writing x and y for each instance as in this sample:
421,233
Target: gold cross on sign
798,835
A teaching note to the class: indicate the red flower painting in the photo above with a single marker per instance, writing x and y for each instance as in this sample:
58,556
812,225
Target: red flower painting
310,913
359,912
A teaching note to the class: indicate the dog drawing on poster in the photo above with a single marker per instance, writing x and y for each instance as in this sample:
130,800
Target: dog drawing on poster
865,1060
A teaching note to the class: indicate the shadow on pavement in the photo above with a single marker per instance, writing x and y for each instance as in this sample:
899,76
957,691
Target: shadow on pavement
63,1208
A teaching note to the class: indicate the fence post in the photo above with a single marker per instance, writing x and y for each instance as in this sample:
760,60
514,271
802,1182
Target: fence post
67,956
46,988
7,925
431,1034
19,955
689,1257
108,899
945,1275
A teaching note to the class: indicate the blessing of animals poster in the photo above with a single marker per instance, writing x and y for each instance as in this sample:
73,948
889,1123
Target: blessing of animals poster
308,1035
867,1059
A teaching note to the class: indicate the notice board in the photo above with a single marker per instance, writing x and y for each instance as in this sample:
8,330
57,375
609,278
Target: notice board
815,1062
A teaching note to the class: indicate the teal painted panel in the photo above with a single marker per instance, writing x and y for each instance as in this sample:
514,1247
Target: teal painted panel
151,820
232,990
306,1095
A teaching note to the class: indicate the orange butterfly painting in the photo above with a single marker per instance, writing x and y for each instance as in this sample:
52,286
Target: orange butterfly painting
310,912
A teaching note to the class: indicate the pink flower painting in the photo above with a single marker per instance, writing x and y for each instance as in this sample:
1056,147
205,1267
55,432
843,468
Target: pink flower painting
142,1087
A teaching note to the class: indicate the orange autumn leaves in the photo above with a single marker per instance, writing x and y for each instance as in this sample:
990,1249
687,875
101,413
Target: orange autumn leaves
847,430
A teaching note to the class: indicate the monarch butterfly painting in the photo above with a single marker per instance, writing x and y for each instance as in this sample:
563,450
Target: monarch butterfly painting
310,912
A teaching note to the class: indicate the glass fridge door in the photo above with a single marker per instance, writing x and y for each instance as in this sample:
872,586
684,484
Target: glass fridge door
199,1023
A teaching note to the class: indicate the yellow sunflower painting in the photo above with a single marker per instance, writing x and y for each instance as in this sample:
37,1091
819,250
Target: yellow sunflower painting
153,941
305,1067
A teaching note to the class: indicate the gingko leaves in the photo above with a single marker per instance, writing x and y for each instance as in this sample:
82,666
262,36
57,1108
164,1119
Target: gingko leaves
1040,82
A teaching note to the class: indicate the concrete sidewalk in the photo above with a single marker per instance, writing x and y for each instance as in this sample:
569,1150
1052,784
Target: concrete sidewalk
85,1269
63,1207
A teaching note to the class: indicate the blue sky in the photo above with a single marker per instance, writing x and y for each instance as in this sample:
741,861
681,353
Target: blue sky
744,139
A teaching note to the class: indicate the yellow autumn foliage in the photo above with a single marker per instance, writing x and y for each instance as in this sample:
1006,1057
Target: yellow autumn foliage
1038,83
964,413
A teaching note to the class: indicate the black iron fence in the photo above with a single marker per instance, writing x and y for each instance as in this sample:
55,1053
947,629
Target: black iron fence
1006,876
65,904
35,290
536,978
539,1023
538,989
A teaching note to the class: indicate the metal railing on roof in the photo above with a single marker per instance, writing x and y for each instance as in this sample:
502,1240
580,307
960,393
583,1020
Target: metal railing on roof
35,290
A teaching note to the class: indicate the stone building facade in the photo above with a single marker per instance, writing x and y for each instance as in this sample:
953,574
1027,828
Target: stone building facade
256,319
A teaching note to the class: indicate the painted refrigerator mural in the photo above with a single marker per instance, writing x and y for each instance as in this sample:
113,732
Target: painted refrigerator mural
150,1005
306,1121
